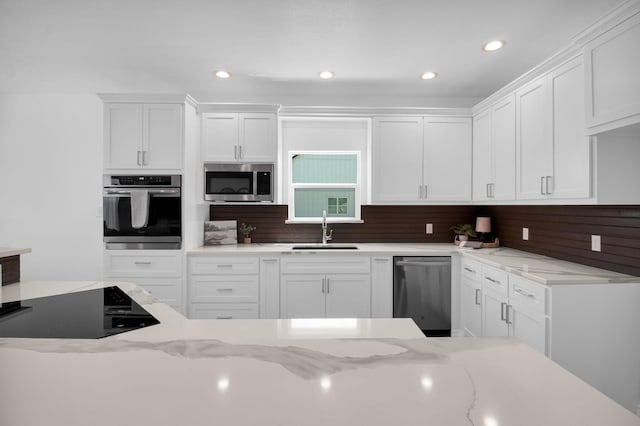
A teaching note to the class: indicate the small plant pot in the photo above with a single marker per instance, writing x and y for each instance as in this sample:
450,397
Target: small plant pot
247,240
463,238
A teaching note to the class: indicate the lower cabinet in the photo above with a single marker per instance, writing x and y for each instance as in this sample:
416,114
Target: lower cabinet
496,303
471,294
157,271
224,287
326,296
333,287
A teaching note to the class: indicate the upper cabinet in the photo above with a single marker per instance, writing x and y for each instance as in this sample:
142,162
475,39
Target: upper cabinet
612,83
238,137
143,136
421,159
552,150
494,144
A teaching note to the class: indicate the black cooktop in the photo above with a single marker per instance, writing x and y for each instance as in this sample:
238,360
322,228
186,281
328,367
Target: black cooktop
89,314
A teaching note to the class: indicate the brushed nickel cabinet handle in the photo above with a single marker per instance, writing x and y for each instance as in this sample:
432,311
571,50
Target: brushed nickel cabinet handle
477,296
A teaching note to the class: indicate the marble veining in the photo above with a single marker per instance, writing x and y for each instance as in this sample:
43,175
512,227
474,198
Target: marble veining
303,362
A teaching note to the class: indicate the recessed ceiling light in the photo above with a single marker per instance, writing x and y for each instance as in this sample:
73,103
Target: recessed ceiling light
222,74
325,75
429,75
493,45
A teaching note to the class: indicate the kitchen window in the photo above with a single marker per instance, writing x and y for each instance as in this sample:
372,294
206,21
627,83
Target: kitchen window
324,181
324,166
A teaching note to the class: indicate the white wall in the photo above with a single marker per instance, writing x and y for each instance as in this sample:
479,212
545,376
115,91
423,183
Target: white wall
50,183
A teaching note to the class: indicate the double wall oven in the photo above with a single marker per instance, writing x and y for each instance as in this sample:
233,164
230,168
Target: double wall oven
142,211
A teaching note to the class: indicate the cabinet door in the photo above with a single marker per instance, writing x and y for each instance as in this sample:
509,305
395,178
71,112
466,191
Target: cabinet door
269,287
348,296
382,287
533,139
613,87
482,156
257,138
302,296
471,307
397,159
219,137
571,148
162,141
531,328
447,159
494,308
123,136
504,150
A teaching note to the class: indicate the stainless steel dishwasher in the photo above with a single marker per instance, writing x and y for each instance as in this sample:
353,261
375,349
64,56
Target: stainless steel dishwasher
422,291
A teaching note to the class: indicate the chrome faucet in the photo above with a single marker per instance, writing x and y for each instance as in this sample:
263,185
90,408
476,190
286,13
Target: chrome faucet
325,237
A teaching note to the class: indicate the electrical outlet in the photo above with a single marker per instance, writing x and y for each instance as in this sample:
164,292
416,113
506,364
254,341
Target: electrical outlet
429,228
595,243
525,234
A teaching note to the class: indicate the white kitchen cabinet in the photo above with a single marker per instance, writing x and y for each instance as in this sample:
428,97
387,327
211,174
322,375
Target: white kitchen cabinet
382,287
326,296
224,287
494,302
534,139
471,295
270,287
612,84
514,306
157,271
494,145
325,286
571,146
553,152
397,159
421,159
447,159
143,136
237,137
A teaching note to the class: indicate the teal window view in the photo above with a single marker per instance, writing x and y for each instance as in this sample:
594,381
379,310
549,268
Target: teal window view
325,181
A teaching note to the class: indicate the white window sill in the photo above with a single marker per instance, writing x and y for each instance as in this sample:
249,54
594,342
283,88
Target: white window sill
319,221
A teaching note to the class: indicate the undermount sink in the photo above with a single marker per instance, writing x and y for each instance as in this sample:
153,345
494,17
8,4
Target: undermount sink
323,247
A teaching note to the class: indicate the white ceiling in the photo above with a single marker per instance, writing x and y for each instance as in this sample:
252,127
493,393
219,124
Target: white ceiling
275,48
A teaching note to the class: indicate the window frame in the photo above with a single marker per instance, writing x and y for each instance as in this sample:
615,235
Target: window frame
291,187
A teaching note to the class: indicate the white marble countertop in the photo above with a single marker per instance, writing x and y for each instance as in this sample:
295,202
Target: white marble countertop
204,372
542,269
13,251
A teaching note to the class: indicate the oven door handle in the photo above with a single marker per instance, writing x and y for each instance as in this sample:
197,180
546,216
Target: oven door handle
127,193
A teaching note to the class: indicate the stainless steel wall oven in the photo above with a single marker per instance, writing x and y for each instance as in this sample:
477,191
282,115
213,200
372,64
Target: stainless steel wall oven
142,211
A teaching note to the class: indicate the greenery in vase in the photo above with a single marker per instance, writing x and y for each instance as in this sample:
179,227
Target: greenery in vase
246,229
464,229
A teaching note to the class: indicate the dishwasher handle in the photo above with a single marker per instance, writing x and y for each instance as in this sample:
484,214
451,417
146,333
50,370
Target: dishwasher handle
417,263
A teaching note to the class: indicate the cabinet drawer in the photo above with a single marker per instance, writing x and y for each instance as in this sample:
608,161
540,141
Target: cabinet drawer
224,265
495,280
225,311
124,263
471,270
224,288
168,291
527,295
313,264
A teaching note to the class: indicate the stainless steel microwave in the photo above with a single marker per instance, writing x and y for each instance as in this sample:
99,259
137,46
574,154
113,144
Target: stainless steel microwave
241,182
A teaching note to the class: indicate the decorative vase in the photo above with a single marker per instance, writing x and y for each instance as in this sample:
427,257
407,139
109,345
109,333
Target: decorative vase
247,240
463,238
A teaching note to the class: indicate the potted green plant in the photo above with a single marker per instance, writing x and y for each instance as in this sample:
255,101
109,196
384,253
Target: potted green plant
246,231
463,231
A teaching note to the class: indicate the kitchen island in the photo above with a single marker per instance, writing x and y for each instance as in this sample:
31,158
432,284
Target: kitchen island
283,372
